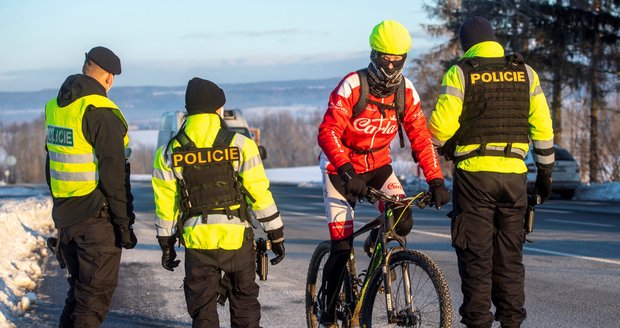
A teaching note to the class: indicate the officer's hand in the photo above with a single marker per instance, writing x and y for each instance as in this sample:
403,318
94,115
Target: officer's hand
128,238
543,184
439,193
277,244
168,254
354,184
278,249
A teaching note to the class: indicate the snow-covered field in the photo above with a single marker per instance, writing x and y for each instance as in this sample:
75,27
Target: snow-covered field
25,222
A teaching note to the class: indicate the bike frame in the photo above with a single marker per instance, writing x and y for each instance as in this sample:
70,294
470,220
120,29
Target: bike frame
380,259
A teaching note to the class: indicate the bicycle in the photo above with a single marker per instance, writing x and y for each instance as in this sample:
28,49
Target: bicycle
415,295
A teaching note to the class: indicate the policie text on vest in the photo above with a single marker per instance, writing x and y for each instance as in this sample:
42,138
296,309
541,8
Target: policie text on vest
204,156
59,136
489,77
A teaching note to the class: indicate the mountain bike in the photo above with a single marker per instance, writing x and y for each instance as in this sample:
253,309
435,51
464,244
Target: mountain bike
413,294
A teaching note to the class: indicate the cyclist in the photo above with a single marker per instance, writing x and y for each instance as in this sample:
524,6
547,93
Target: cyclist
484,124
355,147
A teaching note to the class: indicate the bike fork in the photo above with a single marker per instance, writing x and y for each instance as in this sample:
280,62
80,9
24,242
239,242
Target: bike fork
387,286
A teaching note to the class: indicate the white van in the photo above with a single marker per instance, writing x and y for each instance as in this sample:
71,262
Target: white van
172,121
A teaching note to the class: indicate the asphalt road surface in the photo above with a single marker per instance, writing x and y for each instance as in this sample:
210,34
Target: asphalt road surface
572,268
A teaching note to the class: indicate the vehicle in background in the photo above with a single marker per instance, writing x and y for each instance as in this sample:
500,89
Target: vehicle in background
172,121
565,177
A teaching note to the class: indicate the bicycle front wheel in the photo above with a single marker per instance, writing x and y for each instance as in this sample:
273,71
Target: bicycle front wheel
420,295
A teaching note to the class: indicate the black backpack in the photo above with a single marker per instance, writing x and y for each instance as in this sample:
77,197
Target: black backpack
399,100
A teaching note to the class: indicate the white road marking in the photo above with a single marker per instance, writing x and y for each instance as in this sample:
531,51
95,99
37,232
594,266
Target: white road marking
583,223
320,217
534,249
548,210
589,258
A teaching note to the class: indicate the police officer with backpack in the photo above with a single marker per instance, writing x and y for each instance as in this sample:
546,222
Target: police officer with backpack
205,180
489,108
365,112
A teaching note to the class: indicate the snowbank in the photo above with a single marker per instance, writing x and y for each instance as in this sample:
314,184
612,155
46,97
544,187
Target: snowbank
24,223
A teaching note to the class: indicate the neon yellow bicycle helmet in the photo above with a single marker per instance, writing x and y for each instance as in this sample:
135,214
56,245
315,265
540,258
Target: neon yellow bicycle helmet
390,37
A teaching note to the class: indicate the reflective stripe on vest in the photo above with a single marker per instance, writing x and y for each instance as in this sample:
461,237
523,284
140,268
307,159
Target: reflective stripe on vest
74,168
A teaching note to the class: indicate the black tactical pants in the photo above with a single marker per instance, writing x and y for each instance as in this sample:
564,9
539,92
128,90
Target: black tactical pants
93,261
488,236
203,271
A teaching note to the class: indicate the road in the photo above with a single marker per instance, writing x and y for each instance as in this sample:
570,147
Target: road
572,268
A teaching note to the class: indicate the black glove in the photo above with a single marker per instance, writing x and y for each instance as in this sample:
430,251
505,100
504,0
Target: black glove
128,238
439,193
168,254
277,244
543,184
354,184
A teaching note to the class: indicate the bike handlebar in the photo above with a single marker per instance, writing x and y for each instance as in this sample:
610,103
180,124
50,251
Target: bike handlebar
420,200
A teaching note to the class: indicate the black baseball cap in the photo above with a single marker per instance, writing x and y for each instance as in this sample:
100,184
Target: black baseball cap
106,59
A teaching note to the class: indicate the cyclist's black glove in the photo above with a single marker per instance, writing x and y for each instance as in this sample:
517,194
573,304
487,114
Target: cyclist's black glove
543,184
168,254
439,193
277,244
354,184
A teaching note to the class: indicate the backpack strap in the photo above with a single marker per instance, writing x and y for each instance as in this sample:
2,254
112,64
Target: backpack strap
399,99
363,99
223,138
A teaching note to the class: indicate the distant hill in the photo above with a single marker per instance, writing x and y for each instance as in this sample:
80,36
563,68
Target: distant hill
144,105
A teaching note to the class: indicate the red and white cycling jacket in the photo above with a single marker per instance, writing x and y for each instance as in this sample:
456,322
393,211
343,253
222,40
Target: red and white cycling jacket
369,130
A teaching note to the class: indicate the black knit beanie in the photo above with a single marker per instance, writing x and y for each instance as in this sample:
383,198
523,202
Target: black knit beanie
203,96
475,30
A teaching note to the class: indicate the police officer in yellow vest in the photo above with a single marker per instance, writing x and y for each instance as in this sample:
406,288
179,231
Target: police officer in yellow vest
88,175
489,107
204,180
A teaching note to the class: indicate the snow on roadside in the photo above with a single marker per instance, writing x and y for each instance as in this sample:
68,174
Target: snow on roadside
24,223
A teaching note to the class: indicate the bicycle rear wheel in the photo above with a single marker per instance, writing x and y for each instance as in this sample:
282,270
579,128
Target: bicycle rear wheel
424,303
313,285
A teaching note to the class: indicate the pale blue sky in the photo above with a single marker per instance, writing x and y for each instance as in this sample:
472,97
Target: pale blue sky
168,42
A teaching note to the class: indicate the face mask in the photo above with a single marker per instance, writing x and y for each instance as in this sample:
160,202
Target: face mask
381,64
379,83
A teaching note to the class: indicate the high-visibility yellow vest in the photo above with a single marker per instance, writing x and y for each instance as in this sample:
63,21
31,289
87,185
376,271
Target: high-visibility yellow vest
74,168
215,231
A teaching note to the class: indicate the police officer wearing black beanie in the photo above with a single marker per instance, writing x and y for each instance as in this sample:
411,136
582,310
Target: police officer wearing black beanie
222,178
203,96
490,106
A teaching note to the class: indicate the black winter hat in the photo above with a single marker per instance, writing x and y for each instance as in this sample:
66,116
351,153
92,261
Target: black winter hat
475,30
203,96
106,59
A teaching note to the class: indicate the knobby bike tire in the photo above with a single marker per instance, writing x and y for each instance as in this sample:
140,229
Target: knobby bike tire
313,284
429,289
